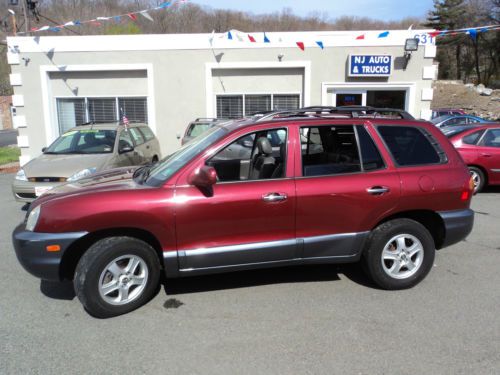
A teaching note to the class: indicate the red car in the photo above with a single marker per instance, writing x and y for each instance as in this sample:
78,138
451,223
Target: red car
336,188
479,146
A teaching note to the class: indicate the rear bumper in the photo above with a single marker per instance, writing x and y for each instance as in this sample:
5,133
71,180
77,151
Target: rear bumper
458,225
31,251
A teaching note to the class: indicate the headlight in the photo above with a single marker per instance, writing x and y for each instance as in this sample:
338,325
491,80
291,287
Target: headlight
83,173
33,218
21,176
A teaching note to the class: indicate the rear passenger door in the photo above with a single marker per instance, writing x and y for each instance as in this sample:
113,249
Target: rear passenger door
489,154
141,152
344,187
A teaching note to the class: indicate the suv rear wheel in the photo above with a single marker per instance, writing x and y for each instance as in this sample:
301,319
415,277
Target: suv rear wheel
116,275
399,254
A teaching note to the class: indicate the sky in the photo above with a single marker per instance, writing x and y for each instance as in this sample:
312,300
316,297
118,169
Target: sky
377,9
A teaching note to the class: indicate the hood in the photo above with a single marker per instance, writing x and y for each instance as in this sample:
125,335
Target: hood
50,165
110,180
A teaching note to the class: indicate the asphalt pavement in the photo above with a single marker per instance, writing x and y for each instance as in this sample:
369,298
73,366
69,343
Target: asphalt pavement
8,137
300,320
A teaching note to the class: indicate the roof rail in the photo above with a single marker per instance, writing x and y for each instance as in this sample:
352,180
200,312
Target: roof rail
206,119
342,111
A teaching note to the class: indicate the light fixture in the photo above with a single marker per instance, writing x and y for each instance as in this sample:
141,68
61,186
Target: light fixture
411,45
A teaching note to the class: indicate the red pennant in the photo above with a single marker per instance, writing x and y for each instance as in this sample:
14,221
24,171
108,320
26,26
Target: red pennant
96,23
132,16
360,37
301,45
434,34
252,39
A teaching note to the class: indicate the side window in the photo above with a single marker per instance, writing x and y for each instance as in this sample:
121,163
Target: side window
147,132
125,140
491,138
329,150
411,145
370,155
471,120
136,135
472,139
256,156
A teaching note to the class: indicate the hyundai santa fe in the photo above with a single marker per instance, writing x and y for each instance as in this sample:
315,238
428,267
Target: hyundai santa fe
316,187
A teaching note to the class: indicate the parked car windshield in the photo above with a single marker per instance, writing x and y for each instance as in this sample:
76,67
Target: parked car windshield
85,141
198,128
162,171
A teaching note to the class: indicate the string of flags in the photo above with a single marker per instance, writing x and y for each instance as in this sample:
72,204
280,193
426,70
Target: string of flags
235,35
134,16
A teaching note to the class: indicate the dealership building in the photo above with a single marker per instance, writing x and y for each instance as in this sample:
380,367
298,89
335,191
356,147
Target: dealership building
169,80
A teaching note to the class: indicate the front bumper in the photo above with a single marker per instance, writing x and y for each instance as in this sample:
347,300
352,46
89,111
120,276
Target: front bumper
458,225
31,251
24,191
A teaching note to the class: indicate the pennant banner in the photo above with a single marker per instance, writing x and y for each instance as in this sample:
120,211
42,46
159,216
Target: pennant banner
97,21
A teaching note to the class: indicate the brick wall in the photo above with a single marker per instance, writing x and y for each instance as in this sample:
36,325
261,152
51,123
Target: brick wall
5,115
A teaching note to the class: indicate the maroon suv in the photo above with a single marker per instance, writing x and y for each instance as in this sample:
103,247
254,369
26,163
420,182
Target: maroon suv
329,187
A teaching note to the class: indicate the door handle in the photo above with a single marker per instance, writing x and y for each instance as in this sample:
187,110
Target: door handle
274,197
486,155
378,190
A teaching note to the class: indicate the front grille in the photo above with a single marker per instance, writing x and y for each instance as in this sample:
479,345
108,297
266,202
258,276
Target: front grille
47,179
26,195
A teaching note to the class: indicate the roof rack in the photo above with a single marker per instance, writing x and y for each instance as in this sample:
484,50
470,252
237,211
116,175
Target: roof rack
212,119
339,112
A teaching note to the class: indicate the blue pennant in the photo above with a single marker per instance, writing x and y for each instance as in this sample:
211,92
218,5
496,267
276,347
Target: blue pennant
266,39
320,44
229,35
385,34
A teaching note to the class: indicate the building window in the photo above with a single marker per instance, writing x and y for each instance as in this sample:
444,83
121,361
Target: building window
74,112
237,106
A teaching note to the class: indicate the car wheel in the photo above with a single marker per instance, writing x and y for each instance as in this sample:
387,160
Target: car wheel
399,254
116,275
478,178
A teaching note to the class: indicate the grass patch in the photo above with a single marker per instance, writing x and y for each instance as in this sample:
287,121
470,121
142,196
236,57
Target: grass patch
9,155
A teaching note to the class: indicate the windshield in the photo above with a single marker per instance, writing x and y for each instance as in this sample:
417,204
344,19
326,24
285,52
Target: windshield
85,141
162,171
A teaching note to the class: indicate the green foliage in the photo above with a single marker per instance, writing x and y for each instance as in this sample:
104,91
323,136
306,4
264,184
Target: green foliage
123,29
9,155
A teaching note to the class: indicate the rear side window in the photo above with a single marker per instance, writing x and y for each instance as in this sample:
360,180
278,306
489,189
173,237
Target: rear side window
198,128
329,150
147,132
472,139
411,145
370,155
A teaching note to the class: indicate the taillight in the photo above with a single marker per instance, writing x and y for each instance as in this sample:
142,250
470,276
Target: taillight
468,189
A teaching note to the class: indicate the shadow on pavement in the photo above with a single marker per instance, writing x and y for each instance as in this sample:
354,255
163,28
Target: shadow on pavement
58,290
245,279
490,190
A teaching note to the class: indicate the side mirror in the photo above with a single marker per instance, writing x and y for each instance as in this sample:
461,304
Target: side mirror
125,149
203,177
44,149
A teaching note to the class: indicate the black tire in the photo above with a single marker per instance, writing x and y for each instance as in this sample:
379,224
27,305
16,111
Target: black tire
378,269
90,273
479,178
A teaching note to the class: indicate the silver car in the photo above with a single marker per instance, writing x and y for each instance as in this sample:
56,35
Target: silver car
82,151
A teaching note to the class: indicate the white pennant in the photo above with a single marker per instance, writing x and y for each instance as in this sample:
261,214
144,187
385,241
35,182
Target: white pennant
103,18
146,15
70,23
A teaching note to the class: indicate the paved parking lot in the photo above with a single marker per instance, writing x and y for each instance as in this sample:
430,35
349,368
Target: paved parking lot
301,320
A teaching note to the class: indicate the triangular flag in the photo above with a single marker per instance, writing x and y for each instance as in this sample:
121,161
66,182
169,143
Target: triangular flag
252,39
43,28
472,33
55,29
240,38
103,18
229,35
146,15
266,39
132,16
164,5
78,23
434,34
211,38
301,45
360,37
483,30
70,23
117,19
385,34
95,23
320,44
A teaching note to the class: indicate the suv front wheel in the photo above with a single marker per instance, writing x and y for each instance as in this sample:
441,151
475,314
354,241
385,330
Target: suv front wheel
399,254
116,275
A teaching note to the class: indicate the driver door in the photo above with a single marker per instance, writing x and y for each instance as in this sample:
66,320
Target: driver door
242,221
